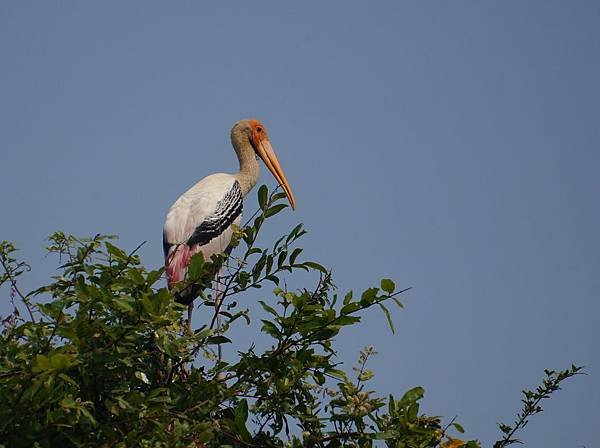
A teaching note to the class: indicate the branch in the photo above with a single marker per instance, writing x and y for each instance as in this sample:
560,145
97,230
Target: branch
128,260
531,403
13,283
308,337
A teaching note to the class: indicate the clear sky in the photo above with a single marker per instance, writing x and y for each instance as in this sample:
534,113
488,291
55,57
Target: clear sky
451,146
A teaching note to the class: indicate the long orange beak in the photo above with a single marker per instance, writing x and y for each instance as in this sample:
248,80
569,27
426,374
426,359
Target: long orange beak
266,153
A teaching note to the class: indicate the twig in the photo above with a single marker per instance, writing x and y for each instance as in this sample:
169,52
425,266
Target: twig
344,435
277,188
129,257
532,400
16,289
228,285
53,332
443,434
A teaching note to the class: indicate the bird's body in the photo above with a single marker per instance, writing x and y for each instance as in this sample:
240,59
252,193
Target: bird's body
201,219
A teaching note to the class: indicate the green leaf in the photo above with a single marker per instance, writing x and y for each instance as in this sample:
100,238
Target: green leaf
68,379
272,278
117,253
388,317
272,211
254,250
295,254
153,276
201,333
218,339
277,196
270,328
269,264
346,320
87,415
57,361
350,308
339,374
263,193
391,406
136,276
278,242
195,266
458,427
316,266
52,309
366,375
472,444
294,234
258,267
413,395
267,308
384,435
413,411
125,303
240,417
281,258
387,285
142,377
68,403
347,298
368,296
257,224
398,302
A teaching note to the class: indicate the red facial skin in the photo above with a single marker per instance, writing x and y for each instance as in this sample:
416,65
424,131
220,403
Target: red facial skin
259,133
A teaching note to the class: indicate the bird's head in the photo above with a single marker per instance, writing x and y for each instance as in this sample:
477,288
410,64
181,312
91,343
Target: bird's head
255,132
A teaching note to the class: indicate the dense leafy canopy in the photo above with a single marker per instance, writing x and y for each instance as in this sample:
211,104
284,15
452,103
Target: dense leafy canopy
103,356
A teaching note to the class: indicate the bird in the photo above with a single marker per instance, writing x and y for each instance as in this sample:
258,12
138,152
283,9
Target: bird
202,218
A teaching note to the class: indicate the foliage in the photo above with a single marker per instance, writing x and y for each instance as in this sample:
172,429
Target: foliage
106,358
531,403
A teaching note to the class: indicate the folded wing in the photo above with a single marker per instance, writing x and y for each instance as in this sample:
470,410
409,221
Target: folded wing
200,221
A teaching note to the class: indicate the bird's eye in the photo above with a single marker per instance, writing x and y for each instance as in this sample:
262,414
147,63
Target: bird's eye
259,129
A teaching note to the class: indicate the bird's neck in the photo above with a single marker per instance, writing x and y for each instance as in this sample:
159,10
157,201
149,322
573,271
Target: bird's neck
249,171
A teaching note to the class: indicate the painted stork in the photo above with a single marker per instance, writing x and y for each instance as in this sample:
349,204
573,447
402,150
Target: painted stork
201,219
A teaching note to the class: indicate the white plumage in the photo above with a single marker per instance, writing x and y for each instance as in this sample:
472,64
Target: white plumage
196,206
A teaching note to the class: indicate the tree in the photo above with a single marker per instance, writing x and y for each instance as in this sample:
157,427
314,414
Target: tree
104,356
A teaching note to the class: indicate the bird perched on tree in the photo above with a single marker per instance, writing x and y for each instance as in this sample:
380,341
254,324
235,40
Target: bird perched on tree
201,219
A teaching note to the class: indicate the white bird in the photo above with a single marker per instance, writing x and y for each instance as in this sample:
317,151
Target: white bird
201,219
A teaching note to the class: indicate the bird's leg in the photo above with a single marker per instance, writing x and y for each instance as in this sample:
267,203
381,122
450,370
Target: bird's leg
218,300
189,319
184,371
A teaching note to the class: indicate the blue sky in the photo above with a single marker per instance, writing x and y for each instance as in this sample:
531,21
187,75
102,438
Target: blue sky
451,146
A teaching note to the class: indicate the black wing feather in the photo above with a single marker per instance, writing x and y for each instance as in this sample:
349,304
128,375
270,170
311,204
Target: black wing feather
226,212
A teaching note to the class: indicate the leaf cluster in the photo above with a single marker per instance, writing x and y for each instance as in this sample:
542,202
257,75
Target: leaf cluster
105,356
532,400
